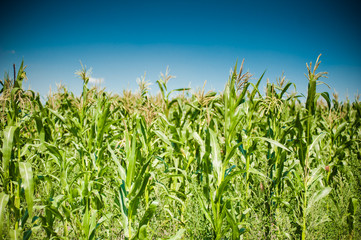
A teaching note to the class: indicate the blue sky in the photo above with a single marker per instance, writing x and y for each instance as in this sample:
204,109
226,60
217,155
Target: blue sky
198,40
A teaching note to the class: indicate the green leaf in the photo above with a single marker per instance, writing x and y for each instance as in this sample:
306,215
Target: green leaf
255,87
134,201
351,210
326,96
164,138
4,199
57,115
177,90
178,235
86,221
94,224
131,159
28,183
234,225
255,171
339,130
8,144
284,90
317,196
318,138
216,156
27,234
205,211
149,213
140,181
142,233
314,175
54,151
176,199
55,211
117,161
231,153
200,142
273,142
146,218
224,183
15,234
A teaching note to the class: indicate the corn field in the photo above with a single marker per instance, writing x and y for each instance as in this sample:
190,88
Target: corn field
181,164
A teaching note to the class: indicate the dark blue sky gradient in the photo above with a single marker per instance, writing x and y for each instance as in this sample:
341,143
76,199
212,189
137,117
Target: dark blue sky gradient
198,40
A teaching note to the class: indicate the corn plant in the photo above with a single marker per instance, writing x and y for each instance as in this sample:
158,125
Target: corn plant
229,165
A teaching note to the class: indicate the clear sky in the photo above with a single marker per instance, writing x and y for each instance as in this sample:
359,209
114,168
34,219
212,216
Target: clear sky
198,40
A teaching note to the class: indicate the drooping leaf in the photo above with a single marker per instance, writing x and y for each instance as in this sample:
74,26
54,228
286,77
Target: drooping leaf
273,142
317,196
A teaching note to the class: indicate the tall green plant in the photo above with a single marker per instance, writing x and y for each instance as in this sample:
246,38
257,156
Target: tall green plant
309,176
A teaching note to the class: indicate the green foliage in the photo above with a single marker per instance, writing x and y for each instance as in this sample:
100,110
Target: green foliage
199,165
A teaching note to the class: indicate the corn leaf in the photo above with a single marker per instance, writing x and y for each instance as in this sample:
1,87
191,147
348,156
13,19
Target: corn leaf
216,156
28,183
4,199
277,144
8,144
